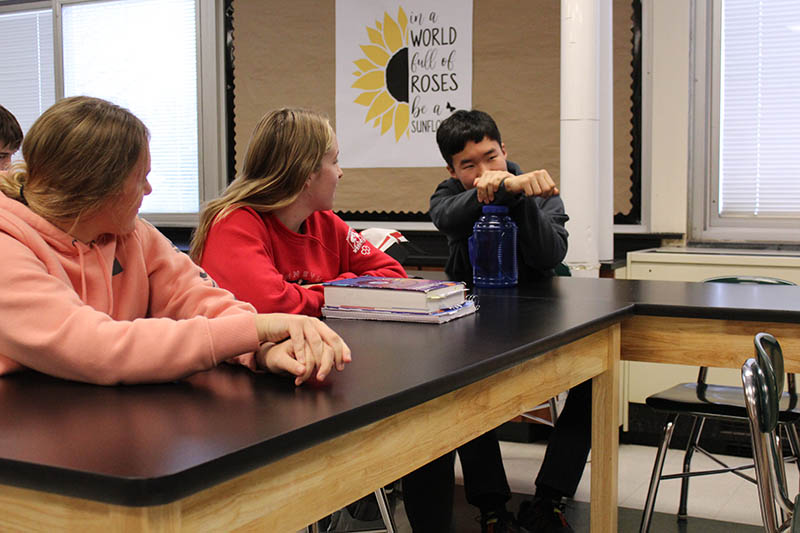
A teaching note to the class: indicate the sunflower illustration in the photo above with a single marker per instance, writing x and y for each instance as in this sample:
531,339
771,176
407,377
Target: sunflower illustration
383,75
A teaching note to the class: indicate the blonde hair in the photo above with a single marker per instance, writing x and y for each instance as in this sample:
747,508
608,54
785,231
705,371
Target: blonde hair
77,155
286,147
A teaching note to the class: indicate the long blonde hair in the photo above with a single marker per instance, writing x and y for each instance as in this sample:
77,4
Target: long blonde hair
76,157
286,147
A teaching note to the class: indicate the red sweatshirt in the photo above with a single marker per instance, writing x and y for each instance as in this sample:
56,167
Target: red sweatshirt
124,309
261,261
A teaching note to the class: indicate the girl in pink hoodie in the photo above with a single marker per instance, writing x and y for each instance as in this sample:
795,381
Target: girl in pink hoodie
93,293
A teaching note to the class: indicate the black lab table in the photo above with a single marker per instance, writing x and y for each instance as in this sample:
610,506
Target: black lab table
231,450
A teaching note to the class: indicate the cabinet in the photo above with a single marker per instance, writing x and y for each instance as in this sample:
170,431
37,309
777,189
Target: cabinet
690,264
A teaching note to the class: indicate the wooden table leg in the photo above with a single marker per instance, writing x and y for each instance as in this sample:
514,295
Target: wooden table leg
605,440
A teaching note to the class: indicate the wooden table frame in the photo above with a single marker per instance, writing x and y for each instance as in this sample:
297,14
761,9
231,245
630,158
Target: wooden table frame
702,341
301,488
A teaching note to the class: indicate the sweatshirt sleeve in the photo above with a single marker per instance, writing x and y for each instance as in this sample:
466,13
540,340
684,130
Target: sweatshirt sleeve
178,287
45,326
238,240
360,258
541,222
454,210
542,235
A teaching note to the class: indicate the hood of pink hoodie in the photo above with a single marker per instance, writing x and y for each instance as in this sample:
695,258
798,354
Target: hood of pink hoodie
88,268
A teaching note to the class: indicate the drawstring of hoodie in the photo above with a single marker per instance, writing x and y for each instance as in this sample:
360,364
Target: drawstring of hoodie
106,275
83,270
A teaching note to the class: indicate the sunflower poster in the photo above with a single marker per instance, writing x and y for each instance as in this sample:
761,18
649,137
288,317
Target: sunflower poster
401,68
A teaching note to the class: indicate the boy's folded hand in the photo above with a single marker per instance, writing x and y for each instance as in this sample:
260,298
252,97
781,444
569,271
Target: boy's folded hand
488,183
536,183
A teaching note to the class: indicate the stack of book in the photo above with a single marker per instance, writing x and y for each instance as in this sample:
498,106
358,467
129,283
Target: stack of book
401,299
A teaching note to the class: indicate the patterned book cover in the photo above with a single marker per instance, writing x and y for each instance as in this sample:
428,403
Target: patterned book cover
401,284
438,317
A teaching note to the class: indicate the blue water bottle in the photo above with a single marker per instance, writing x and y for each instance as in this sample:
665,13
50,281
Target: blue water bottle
493,248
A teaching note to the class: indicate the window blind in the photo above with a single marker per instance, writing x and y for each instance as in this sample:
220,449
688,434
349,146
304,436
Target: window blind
27,82
759,163
142,55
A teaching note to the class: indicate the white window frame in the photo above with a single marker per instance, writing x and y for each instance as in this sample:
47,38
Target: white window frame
705,224
212,134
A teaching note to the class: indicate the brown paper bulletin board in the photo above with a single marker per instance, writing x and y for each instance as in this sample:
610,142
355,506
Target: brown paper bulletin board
284,54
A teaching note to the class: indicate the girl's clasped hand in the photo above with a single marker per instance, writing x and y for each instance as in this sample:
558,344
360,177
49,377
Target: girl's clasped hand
300,345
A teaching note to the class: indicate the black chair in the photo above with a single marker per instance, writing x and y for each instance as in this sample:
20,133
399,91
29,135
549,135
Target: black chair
700,401
762,380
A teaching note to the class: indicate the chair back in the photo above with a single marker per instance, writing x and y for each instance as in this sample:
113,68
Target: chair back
761,394
762,378
770,358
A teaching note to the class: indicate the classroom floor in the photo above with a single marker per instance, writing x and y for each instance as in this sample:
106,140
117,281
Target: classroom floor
724,498
717,503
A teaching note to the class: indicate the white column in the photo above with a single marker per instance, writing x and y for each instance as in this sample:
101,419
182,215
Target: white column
587,132
605,213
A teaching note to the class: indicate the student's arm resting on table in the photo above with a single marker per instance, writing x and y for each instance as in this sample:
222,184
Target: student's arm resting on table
237,258
46,326
313,345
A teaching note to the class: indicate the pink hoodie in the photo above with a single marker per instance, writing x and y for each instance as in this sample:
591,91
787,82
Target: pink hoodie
125,309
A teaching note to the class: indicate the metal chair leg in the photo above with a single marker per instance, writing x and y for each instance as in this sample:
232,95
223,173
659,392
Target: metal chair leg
386,511
658,467
551,403
694,438
766,496
794,442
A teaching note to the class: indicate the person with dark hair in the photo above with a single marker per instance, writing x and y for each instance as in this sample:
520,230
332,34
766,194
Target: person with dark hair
470,144
10,137
480,174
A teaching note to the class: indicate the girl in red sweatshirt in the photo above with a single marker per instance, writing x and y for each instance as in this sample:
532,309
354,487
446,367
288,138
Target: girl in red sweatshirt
272,238
93,293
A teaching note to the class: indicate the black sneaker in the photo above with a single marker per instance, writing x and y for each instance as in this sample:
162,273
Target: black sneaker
498,522
543,515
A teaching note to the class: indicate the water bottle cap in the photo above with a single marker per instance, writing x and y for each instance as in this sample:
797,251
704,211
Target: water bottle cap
495,210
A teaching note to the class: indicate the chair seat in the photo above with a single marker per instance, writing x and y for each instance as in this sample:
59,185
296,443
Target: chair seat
715,400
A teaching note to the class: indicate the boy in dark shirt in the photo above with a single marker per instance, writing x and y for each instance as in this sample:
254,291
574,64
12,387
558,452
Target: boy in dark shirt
10,137
480,174
476,159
